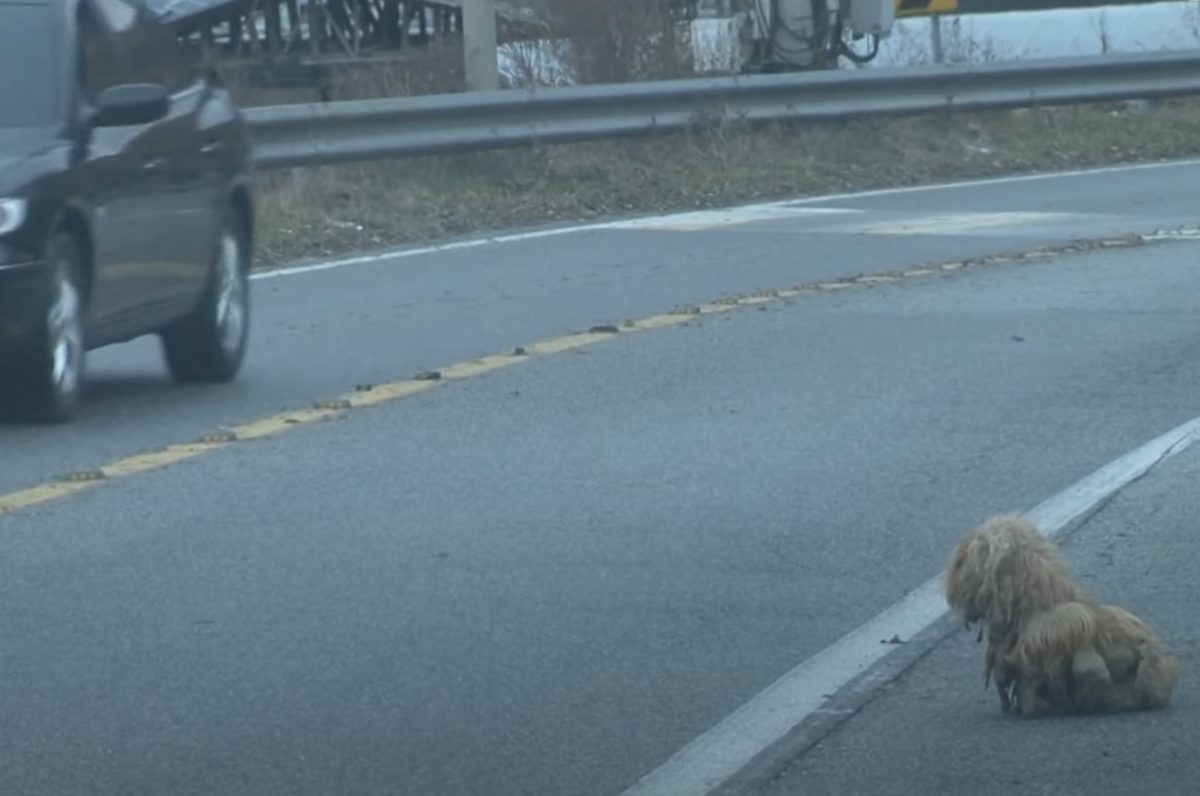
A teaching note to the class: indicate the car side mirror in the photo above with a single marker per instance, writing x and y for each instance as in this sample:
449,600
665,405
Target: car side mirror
131,104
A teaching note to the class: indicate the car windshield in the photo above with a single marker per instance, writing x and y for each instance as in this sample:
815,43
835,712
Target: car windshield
28,63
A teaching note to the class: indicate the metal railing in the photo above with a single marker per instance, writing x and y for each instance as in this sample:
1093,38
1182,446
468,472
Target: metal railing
343,132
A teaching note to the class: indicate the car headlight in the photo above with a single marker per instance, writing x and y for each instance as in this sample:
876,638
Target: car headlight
12,214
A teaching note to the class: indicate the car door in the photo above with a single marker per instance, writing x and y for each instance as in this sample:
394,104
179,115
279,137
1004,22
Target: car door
189,197
116,177
128,175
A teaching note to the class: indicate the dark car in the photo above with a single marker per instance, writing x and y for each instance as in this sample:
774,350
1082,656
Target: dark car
125,201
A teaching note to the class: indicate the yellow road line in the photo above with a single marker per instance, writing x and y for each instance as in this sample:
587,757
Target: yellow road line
75,483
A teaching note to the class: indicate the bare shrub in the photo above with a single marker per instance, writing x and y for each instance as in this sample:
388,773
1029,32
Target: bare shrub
620,41
435,69
961,46
536,63
1191,19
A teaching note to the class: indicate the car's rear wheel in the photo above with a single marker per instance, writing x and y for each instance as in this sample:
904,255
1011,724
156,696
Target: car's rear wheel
209,345
45,383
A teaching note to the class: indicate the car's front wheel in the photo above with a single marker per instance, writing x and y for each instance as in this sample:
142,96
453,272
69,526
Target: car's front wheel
209,344
45,383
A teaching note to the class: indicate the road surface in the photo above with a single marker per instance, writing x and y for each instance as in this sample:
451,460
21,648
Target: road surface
549,578
319,334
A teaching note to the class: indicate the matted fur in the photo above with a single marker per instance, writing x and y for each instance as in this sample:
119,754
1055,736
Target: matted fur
1052,647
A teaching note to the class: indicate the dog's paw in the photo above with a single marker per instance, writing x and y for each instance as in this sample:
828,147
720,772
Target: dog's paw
1087,666
1010,699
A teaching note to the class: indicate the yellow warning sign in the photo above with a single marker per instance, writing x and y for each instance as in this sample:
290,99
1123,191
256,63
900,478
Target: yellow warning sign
925,8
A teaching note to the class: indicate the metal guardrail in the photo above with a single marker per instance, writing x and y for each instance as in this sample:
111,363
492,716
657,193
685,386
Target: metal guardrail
342,132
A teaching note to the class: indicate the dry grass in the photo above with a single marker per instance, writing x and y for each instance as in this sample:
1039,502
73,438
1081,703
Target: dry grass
317,212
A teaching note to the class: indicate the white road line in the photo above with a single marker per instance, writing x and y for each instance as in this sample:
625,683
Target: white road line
748,212
724,750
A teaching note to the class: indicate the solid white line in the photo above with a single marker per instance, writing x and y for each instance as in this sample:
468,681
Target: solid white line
473,243
725,749
748,211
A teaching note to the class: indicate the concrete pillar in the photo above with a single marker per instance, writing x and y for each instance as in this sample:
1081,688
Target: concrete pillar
479,45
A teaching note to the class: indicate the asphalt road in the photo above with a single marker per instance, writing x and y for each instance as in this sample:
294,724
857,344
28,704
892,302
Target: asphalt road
1139,552
548,579
317,335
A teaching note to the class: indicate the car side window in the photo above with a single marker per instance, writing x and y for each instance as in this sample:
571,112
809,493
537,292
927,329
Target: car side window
100,61
156,52
125,43
159,56
118,15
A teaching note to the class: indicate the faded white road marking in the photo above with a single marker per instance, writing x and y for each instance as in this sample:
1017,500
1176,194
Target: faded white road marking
725,749
729,217
950,223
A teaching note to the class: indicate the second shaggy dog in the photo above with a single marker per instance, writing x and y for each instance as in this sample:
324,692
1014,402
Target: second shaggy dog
1052,647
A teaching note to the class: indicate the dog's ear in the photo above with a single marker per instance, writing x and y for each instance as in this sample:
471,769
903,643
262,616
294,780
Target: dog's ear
964,586
955,569
1000,585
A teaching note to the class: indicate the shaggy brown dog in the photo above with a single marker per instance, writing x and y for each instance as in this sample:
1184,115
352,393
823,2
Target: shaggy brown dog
1052,647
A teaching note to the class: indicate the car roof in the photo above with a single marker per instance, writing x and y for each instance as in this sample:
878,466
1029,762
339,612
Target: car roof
56,5
165,10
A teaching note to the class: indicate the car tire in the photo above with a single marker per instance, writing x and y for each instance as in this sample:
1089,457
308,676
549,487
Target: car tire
209,344
48,376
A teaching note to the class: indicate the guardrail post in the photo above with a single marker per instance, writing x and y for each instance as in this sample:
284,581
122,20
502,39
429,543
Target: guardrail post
479,45
935,38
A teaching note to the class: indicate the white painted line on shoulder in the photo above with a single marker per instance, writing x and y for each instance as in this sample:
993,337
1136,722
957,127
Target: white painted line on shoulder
714,757
1073,502
746,211
473,243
